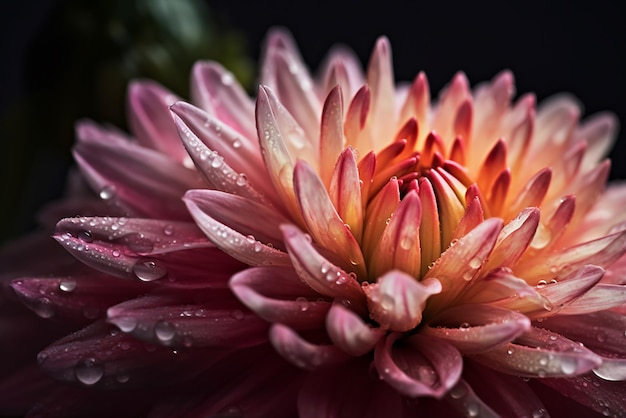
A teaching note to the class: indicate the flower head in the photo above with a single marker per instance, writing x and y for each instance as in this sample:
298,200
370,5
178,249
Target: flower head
344,247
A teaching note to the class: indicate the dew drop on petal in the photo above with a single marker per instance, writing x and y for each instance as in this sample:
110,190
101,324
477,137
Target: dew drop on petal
464,325
148,270
242,180
164,331
168,230
303,303
88,372
236,143
67,285
472,410
541,284
539,413
107,192
44,308
85,236
475,263
237,314
126,323
457,392
568,365
122,377
137,243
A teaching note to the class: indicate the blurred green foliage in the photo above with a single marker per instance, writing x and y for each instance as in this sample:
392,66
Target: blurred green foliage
79,66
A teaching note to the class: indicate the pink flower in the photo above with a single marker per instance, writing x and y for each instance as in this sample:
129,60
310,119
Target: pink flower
345,247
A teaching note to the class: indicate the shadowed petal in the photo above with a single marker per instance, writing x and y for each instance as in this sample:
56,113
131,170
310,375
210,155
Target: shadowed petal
423,366
319,273
541,353
514,239
462,398
477,328
277,295
349,332
301,353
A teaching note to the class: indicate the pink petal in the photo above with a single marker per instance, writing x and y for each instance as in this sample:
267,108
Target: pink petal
514,239
138,179
242,246
396,300
357,133
381,84
533,192
345,192
599,131
331,133
451,98
322,220
430,236
148,104
301,353
464,258
399,245
423,367
342,67
378,212
349,332
277,295
462,398
319,273
541,353
599,298
417,102
217,320
477,328
215,90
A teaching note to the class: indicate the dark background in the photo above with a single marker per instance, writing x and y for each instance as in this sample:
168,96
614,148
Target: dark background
550,46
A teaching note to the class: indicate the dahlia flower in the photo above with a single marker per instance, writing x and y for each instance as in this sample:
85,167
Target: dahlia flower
341,247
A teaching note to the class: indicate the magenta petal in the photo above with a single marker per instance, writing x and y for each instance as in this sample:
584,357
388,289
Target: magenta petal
396,300
319,273
277,295
541,353
301,353
216,321
462,398
349,332
424,366
476,328
100,356
149,104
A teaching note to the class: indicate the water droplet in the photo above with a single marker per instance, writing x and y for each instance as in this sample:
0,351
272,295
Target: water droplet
601,337
88,372
165,331
44,308
115,253
541,284
149,270
126,323
475,263
458,392
67,285
122,377
85,236
543,360
510,351
137,243
539,413
407,242
237,314
107,192
227,79
217,161
464,325
542,237
568,365
472,410
168,230
242,180
258,247
303,303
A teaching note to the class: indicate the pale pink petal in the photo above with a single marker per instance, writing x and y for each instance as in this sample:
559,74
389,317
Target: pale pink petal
514,239
215,89
322,220
417,102
345,192
302,353
396,300
450,100
341,67
533,192
599,132
218,321
242,246
599,298
138,179
349,332
356,123
148,104
540,353
277,295
424,366
331,133
381,84
464,258
476,328
318,272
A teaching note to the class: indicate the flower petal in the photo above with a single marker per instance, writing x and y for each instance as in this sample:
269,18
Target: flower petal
476,328
233,242
345,192
319,273
541,353
331,133
349,332
514,239
302,353
277,295
148,104
322,220
396,300
380,81
423,366
216,320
